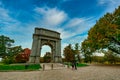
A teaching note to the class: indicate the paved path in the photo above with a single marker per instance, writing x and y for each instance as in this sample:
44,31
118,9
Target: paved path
84,73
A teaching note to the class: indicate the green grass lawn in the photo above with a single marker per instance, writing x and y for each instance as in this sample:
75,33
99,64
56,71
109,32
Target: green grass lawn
81,65
4,67
78,65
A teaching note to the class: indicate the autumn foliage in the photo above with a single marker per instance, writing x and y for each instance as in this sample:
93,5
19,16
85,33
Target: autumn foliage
105,34
23,56
68,53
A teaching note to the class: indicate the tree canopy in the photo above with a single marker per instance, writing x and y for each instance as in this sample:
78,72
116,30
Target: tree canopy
7,51
105,34
47,57
5,43
68,53
72,54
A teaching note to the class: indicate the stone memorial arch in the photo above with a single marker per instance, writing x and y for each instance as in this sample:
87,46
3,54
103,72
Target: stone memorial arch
42,37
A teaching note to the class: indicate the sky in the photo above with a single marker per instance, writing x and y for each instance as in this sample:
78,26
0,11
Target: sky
71,18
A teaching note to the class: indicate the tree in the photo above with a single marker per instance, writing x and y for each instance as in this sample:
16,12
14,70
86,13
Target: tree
110,56
98,59
14,50
23,56
105,34
76,48
47,57
11,54
5,43
77,52
69,54
87,50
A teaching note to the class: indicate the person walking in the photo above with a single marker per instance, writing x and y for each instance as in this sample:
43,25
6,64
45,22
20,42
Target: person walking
75,64
72,65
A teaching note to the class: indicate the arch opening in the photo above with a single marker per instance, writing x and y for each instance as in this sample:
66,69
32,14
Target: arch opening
46,54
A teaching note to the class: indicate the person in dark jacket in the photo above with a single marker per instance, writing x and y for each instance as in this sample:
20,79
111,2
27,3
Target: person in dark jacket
75,64
72,65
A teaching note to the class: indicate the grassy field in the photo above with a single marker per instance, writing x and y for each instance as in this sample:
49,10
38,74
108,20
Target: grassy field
24,67
4,67
78,65
81,65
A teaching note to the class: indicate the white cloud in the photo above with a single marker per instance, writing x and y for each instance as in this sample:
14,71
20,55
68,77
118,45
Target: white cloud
98,54
76,26
103,2
78,39
85,25
7,23
14,29
5,18
51,16
62,48
64,33
74,22
109,4
0,59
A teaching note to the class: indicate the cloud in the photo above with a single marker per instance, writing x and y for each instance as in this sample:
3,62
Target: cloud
98,54
110,5
5,19
75,26
54,17
64,33
103,2
62,48
14,29
51,16
74,31
78,39
77,22
74,22
7,23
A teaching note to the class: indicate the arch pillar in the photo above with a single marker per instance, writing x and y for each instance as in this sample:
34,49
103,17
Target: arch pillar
37,60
